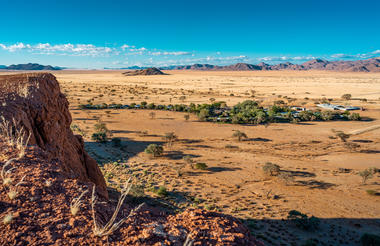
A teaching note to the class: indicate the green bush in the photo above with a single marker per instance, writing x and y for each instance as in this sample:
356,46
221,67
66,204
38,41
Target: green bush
161,191
201,166
100,137
154,150
354,116
370,239
271,169
302,221
116,142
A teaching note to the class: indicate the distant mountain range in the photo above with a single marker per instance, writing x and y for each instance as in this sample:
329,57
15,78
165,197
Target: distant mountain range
30,66
369,65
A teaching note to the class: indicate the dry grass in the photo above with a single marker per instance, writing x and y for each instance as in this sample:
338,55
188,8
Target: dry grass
76,203
14,135
111,225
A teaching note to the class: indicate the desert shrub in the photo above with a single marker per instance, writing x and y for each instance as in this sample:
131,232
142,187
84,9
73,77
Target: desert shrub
100,137
186,117
152,115
170,137
154,150
239,135
201,166
371,192
286,178
151,106
302,221
271,169
327,115
341,135
354,116
203,114
346,96
367,174
189,160
161,191
370,239
310,242
229,146
116,142
143,104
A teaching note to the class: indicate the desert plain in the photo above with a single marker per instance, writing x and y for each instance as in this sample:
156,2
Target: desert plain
323,170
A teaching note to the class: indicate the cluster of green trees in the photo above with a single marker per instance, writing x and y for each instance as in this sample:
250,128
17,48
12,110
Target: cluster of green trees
247,112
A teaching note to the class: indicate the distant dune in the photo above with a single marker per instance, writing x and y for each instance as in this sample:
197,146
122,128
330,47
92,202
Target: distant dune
30,66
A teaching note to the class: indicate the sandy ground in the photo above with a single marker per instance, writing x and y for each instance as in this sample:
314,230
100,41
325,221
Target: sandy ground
325,171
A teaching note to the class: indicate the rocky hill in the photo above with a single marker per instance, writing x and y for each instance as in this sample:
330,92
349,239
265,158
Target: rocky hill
42,181
147,71
369,65
30,66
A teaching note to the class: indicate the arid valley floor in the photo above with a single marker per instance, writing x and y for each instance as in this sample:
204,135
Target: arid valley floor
324,170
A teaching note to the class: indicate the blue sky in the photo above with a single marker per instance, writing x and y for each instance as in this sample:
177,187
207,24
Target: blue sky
97,34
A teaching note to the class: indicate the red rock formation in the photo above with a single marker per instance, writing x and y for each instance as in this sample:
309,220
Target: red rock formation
37,104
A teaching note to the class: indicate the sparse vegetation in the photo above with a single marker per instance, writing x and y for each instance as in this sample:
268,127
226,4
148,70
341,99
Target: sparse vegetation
154,150
271,169
366,174
8,218
111,226
239,135
170,137
201,166
76,203
302,221
346,96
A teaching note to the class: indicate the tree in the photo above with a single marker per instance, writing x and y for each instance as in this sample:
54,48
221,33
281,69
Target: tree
367,174
152,115
154,150
346,96
239,135
170,137
203,114
189,160
187,117
341,135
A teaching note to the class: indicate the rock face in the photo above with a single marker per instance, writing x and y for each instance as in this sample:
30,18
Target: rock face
35,101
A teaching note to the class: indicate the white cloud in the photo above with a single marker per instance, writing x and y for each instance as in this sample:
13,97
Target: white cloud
60,49
284,58
170,53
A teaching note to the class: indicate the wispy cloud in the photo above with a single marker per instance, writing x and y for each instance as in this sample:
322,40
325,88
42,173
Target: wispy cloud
356,56
170,53
60,49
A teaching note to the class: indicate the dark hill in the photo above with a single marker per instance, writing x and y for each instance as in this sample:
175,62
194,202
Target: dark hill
31,66
148,71
369,65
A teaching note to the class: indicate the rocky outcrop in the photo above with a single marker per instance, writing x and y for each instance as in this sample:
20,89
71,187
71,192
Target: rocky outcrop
35,101
148,71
